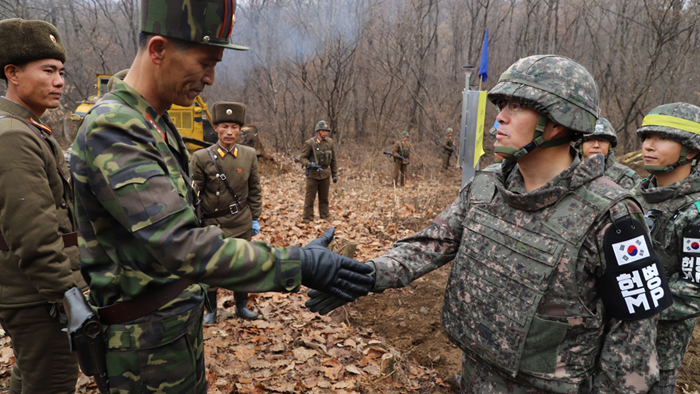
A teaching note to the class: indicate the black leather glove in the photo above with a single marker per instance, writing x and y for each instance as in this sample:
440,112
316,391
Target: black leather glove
335,179
324,303
314,166
332,273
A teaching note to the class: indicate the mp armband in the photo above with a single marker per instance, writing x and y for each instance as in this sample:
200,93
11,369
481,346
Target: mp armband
690,254
634,285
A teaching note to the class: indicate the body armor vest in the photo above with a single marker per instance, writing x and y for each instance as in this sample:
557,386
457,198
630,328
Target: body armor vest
404,151
616,172
324,156
512,298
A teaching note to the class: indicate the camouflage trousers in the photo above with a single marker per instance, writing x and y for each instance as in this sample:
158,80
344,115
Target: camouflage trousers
481,378
321,187
174,368
43,360
667,382
399,173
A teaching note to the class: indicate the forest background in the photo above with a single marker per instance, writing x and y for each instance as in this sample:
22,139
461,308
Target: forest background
374,68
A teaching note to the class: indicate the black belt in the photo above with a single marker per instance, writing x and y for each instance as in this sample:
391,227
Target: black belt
70,239
232,210
127,311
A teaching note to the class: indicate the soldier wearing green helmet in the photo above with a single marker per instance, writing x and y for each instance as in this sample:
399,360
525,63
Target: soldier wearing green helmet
671,201
546,253
401,153
601,141
319,157
144,253
447,149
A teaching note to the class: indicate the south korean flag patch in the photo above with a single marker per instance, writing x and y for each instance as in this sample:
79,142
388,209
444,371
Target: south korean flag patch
690,254
634,285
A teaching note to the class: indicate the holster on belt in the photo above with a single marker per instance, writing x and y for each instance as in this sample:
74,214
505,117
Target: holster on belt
86,338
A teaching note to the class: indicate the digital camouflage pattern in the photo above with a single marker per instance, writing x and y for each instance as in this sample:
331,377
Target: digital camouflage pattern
555,86
624,176
679,121
138,233
675,210
207,22
604,128
551,240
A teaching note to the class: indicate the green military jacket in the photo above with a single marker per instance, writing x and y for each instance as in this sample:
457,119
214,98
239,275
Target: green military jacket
620,173
321,152
671,210
139,232
402,149
35,209
241,169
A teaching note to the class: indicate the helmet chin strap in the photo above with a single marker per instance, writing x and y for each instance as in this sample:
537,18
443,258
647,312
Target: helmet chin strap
681,161
538,140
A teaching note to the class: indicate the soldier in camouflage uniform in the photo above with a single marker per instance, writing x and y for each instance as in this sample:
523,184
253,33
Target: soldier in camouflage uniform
671,200
38,243
234,202
555,287
401,152
447,149
601,141
143,251
318,156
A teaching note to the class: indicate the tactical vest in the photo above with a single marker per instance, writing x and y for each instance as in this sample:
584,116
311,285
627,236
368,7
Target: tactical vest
617,172
324,156
404,151
512,291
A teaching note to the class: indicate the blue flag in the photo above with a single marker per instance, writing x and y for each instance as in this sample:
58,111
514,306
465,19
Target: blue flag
484,67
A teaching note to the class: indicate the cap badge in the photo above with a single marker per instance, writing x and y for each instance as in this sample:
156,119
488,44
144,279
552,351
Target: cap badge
229,112
52,37
205,38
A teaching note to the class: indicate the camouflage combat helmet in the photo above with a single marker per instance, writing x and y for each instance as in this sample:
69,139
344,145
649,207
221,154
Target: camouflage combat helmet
208,22
322,125
448,131
603,128
558,88
678,121
404,134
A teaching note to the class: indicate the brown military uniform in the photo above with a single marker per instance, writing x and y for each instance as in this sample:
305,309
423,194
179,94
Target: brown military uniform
401,149
447,149
321,152
241,169
38,264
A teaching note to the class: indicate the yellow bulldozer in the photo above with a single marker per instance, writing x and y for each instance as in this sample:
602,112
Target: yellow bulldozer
192,122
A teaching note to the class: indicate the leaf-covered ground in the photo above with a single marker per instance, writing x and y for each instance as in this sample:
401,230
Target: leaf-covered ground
385,343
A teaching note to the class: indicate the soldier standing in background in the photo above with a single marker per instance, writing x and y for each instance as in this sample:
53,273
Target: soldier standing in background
38,247
555,287
447,149
671,142
401,152
228,181
319,158
601,141
142,249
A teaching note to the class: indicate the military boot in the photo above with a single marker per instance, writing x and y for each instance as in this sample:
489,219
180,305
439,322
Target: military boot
242,306
210,317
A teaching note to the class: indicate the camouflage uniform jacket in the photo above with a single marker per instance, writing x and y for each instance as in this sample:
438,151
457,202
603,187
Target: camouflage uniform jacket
677,206
138,231
620,173
241,169
592,352
35,209
324,153
402,149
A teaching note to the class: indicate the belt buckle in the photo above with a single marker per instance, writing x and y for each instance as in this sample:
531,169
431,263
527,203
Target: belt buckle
234,205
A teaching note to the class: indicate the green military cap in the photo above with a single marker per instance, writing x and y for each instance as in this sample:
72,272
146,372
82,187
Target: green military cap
404,134
23,41
202,21
223,112
322,125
